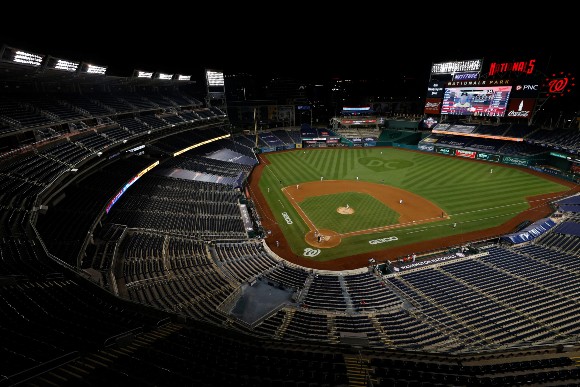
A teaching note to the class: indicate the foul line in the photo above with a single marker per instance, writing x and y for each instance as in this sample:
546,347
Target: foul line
303,215
264,213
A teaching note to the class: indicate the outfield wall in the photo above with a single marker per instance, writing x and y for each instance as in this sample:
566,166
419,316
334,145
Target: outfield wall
563,165
522,161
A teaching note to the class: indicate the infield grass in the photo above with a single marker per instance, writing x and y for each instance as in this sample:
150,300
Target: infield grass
474,197
368,212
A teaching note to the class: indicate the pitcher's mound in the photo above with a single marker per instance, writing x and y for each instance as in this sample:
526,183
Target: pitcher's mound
345,210
328,238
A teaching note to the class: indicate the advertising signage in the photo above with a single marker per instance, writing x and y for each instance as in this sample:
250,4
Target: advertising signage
432,106
464,66
464,153
435,89
488,157
514,160
445,151
520,107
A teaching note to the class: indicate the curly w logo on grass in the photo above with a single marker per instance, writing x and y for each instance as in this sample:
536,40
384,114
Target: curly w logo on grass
308,252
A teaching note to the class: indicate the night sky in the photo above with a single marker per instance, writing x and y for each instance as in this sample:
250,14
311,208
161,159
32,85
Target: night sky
285,45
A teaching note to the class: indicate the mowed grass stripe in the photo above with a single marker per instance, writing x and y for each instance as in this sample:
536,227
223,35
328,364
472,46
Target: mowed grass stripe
442,170
346,163
516,183
432,178
484,193
318,160
458,175
337,166
439,174
416,175
280,170
326,166
297,167
342,164
369,212
509,186
287,162
350,162
294,168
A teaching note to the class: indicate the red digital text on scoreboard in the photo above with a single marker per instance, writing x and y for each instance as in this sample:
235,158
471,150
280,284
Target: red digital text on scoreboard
524,67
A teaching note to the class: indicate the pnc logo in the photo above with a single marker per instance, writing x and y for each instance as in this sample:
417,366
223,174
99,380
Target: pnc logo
378,164
308,252
287,218
527,87
383,240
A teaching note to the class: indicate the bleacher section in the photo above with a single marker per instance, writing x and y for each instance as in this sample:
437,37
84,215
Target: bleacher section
65,225
54,115
529,140
565,139
162,259
190,208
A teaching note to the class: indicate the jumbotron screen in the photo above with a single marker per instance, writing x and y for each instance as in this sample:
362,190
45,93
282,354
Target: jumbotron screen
488,101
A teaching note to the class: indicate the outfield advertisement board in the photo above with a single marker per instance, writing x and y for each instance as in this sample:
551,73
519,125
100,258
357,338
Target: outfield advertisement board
476,155
488,157
514,160
464,153
445,151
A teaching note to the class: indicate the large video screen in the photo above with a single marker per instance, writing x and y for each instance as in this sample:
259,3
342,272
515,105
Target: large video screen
487,101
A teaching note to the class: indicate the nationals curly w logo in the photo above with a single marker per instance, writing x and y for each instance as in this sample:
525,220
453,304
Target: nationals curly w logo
308,252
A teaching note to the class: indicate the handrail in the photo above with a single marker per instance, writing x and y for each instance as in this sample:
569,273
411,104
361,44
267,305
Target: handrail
113,339
39,369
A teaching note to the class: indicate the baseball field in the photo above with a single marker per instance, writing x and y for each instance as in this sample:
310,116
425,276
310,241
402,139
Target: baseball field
327,204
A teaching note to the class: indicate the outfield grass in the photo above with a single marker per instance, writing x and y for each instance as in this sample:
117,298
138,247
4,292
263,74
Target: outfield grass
474,198
369,212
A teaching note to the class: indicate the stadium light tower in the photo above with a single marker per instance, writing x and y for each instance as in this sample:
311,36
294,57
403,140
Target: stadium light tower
215,87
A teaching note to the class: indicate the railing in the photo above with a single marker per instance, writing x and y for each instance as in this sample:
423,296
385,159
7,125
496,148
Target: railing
40,369
114,339
55,258
228,303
